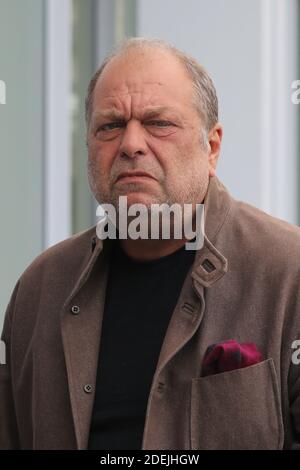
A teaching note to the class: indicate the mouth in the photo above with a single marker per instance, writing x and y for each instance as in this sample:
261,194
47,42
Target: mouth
134,176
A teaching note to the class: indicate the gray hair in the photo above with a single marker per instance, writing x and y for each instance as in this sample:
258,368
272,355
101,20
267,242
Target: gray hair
206,100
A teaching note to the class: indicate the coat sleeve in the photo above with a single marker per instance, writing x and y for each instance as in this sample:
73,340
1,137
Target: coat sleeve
9,438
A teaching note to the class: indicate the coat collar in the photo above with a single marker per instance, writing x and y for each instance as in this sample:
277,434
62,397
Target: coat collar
210,264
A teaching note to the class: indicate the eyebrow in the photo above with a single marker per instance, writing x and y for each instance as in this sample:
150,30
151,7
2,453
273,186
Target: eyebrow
111,113
158,110
149,113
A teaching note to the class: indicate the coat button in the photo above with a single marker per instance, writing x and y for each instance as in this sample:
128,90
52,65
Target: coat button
88,388
75,309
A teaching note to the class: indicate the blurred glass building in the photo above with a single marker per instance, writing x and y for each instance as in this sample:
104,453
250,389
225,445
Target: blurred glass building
49,50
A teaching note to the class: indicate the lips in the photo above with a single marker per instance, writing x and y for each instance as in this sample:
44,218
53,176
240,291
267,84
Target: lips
128,174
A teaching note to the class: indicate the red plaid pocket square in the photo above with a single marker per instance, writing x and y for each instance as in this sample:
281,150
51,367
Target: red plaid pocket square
229,355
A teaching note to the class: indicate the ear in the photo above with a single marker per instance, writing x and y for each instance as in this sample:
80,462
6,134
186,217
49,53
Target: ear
214,139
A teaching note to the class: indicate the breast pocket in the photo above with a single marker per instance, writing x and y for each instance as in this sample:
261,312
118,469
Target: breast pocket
239,409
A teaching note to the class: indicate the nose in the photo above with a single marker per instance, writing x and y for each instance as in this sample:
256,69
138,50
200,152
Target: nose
133,140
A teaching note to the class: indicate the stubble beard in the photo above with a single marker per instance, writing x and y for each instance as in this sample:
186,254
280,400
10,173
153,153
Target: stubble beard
193,194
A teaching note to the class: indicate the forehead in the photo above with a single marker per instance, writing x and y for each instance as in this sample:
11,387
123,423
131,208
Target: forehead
144,78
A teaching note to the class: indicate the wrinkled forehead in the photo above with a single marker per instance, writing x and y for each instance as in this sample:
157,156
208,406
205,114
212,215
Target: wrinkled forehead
145,77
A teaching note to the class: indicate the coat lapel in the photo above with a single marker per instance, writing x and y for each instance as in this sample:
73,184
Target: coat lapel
208,267
81,322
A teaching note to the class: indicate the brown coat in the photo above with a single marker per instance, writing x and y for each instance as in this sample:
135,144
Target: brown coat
252,295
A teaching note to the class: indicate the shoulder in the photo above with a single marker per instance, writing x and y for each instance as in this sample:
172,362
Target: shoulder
51,276
65,257
259,234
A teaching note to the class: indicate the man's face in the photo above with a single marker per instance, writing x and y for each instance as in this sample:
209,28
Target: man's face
143,119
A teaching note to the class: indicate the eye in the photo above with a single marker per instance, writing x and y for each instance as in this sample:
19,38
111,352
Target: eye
159,123
160,127
110,126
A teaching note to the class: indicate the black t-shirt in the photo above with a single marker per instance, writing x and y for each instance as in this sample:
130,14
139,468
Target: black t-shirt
140,299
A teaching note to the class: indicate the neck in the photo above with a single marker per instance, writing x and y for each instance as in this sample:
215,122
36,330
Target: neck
147,250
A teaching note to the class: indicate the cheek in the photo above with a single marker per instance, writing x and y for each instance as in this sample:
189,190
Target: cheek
167,153
187,166
182,154
102,157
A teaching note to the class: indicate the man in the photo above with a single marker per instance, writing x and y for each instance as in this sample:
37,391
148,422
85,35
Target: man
140,343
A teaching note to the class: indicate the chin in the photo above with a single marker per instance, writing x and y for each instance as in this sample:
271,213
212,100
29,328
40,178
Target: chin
139,197
145,199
